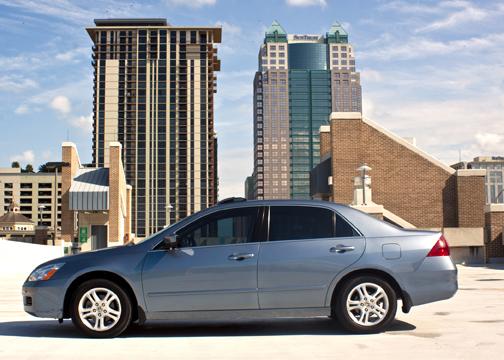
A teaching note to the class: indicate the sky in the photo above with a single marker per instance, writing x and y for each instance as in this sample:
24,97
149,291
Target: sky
432,70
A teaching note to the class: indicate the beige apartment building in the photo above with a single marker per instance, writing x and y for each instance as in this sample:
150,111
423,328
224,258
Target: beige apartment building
154,86
38,196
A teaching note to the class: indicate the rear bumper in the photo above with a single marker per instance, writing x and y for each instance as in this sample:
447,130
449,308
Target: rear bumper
43,301
434,280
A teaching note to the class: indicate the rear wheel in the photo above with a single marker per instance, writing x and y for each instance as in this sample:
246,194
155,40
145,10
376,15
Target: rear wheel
100,308
365,304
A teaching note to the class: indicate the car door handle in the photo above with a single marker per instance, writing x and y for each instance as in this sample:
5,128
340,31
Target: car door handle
341,249
240,257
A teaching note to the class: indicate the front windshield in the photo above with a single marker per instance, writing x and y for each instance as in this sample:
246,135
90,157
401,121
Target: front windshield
179,223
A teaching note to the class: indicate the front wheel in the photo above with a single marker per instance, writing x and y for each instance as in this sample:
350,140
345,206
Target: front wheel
100,308
365,304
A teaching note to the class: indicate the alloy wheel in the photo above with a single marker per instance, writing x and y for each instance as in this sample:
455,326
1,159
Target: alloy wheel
99,309
367,304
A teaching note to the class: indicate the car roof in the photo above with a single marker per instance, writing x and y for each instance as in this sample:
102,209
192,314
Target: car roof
239,202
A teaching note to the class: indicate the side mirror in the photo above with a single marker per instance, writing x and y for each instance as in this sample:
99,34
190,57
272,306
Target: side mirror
172,242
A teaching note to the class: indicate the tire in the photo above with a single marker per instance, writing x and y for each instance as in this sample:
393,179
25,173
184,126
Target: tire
365,312
108,315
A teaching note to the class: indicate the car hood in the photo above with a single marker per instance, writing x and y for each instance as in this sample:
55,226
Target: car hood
90,257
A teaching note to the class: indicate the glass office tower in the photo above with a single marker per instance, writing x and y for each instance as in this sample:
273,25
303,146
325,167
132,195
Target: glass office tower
154,86
301,79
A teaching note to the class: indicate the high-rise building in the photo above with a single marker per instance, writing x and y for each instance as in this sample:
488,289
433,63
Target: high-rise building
300,80
154,87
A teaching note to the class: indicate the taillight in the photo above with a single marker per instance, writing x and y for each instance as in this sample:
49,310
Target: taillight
440,248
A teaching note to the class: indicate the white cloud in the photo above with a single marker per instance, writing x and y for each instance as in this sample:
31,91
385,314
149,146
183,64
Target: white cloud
371,75
442,127
73,54
466,12
22,109
192,3
16,84
61,104
418,47
26,157
229,28
321,3
490,142
409,8
83,122
60,8
236,85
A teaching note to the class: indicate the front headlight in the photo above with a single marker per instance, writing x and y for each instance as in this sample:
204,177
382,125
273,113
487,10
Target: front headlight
45,272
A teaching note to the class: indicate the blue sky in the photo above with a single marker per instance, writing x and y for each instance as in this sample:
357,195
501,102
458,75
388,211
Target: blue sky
430,69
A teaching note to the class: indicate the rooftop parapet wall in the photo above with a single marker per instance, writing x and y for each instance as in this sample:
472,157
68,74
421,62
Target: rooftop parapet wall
470,202
494,220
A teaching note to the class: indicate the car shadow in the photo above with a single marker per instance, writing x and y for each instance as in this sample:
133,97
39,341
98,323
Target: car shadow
273,327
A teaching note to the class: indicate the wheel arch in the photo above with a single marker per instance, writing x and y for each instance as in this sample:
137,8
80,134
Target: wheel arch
400,293
94,275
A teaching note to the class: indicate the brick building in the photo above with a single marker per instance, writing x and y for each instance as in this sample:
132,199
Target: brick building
412,188
96,201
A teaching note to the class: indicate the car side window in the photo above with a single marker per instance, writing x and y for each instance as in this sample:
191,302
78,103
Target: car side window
300,222
234,226
343,228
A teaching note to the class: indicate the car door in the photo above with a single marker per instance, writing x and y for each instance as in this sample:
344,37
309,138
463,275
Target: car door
214,268
307,247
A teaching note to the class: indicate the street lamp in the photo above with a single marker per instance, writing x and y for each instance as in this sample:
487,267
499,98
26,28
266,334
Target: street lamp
363,169
40,209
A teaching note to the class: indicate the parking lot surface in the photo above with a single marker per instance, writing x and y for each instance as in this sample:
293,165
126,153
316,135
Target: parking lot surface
468,326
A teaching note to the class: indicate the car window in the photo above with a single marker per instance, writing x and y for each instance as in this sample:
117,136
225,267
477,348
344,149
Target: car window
343,228
234,226
300,222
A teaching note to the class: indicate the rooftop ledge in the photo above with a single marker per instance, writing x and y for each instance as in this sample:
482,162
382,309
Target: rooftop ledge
471,172
494,208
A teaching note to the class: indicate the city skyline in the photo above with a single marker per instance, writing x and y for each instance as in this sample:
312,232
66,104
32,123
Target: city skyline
424,68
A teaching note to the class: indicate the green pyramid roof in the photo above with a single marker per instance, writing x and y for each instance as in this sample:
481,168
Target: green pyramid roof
276,28
336,27
337,34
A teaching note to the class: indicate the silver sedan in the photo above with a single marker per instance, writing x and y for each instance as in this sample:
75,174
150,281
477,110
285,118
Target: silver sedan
250,259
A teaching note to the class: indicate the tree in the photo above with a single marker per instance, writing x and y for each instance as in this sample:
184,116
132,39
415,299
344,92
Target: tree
28,168
49,167
15,164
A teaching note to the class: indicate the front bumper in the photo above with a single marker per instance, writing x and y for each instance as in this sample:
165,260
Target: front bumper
44,300
434,280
